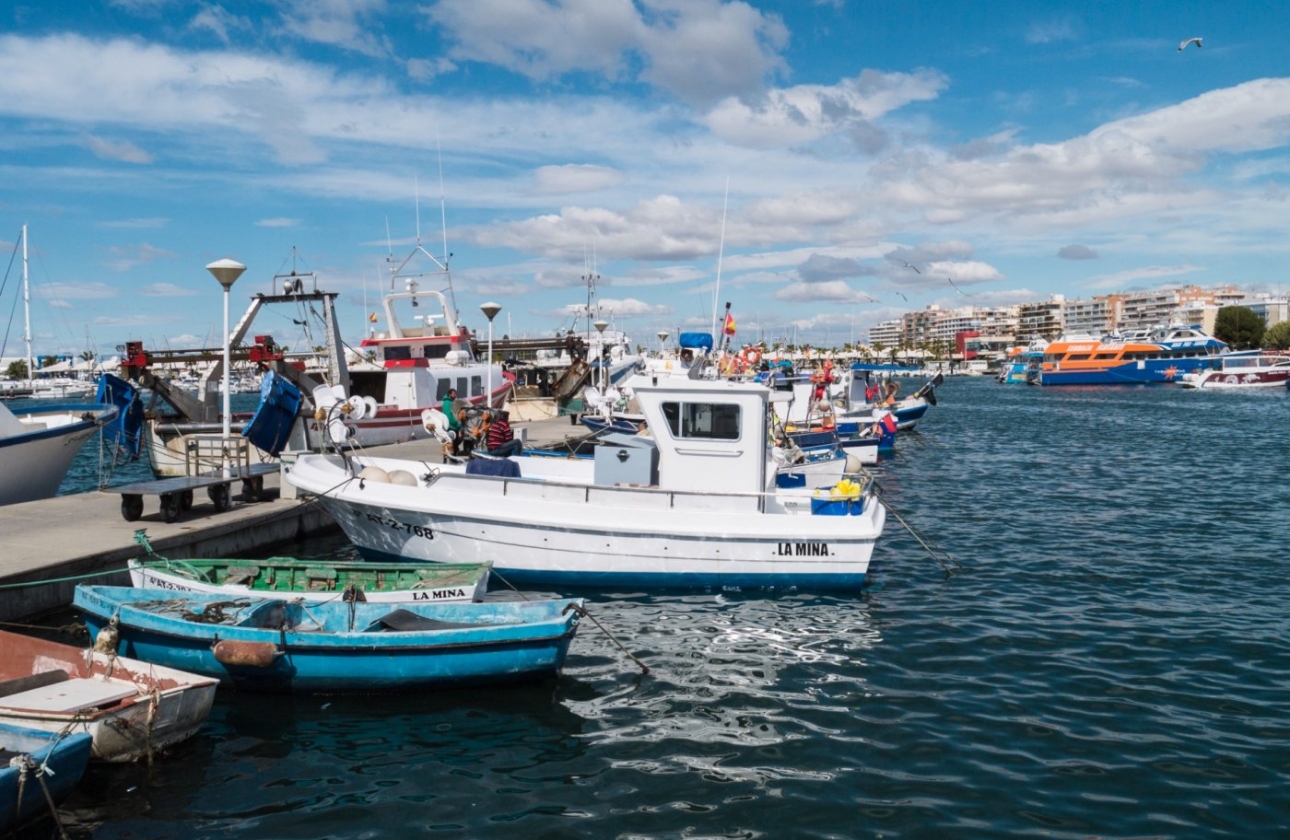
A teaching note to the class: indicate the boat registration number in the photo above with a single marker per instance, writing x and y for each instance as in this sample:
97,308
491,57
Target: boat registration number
405,527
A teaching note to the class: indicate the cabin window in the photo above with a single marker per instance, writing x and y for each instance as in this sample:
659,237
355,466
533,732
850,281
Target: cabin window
396,353
1102,357
462,390
442,386
1079,357
702,420
476,384
436,351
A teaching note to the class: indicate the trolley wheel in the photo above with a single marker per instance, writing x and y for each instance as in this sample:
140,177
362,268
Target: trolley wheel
170,506
253,488
219,495
131,507
186,500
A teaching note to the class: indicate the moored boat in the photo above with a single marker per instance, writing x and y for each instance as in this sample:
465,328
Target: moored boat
38,443
313,580
1241,370
131,709
1151,357
38,772
695,505
286,645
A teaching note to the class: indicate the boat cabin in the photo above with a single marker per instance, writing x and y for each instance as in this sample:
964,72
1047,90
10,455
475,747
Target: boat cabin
711,434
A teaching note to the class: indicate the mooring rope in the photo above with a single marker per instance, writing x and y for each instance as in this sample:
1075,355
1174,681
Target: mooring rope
940,555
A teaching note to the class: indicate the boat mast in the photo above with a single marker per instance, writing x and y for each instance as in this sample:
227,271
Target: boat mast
26,308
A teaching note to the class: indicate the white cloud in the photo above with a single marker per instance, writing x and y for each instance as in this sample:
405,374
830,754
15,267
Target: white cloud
573,177
124,259
831,291
337,23
698,50
153,222
789,117
75,291
123,151
165,290
277,222
218,21
1150,273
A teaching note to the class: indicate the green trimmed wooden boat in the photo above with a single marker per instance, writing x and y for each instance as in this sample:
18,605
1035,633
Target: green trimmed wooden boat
312,580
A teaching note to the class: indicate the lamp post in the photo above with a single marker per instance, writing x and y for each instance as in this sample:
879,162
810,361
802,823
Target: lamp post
604,371
226,272
490,311
662,338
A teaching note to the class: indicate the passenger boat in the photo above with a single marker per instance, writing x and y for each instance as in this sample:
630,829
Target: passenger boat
38,443
286,645
1150,357
1242,370
131,709
1023,364
313,580
695,505
38,767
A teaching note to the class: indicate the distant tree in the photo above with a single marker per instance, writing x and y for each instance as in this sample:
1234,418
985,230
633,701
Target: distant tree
17,369
48,361
1277,337
1240,326
87,355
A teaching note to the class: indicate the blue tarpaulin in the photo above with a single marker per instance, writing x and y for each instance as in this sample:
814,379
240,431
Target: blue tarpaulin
500,467
696,340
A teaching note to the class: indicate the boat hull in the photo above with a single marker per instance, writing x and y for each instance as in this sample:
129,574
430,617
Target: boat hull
65,760
36,457
567,534
317,582
269,644
132,710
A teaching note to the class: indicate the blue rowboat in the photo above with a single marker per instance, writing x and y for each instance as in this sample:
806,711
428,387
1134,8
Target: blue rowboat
274,644
35,762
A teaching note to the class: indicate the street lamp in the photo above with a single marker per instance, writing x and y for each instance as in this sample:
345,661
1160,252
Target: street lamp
226,272
600,328
662,337
490,311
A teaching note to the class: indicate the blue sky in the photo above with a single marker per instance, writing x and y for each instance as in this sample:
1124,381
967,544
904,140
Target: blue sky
1005,150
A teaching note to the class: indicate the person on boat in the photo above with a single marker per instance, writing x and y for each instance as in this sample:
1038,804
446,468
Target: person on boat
893,388
475,421
449,410
499,439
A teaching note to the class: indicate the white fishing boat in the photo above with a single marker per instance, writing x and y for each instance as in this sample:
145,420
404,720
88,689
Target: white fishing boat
696,504
38,443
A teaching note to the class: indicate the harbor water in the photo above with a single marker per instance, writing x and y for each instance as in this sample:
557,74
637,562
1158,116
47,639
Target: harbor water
1112,662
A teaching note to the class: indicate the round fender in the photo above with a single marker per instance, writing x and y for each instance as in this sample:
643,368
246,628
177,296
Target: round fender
245,654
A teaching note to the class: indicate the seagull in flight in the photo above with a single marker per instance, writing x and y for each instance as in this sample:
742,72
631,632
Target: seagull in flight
1184,44
956,287
910,265
902,294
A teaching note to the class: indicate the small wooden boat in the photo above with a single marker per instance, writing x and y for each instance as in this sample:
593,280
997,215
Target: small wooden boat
312,580
36,767
274,644
131,709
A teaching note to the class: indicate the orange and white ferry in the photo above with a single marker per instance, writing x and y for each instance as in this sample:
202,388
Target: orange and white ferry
1150,357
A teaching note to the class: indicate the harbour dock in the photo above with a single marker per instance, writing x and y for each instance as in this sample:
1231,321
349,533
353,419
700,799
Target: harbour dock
50,545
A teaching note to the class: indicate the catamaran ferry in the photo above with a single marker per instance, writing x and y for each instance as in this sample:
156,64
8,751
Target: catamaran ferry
1149,357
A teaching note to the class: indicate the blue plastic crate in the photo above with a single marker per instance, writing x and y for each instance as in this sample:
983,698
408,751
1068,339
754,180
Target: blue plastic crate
836,507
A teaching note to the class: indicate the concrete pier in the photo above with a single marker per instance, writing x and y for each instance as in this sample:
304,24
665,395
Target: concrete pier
48,546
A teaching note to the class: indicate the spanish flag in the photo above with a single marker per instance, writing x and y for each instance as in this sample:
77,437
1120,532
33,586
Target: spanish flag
730,323
372,318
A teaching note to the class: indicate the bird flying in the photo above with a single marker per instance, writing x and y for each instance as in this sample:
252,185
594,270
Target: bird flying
902,294
956,287
1184,44
909,265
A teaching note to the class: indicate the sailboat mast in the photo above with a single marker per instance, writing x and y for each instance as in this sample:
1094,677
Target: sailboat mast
26,309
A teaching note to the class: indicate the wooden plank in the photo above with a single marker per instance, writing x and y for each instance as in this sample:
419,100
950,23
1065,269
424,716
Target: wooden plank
70,695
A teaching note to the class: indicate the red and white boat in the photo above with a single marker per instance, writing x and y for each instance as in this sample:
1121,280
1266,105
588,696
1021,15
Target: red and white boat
1241,370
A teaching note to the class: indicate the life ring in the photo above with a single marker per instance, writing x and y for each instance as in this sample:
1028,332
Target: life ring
751,356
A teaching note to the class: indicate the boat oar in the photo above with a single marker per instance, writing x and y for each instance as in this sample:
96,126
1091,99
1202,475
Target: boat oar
940,555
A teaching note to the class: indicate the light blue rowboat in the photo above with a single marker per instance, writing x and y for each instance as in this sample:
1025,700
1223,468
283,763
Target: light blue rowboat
33,763
274,644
